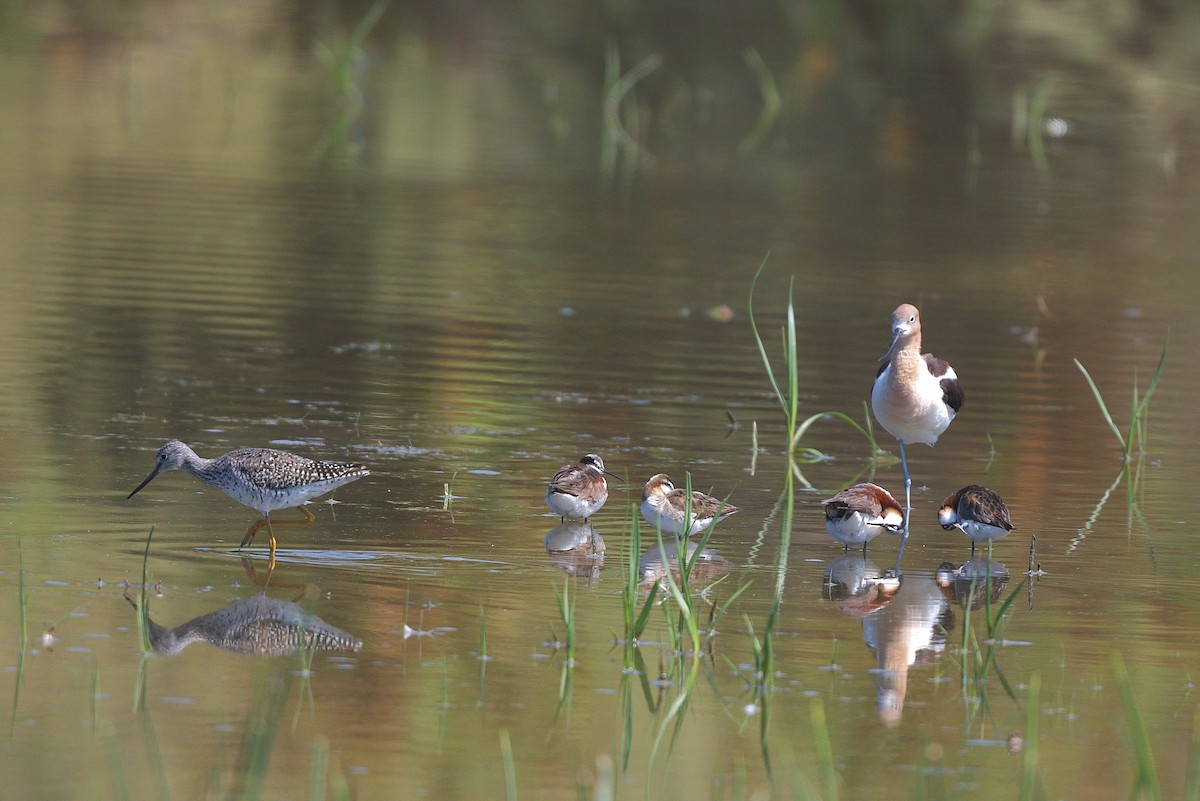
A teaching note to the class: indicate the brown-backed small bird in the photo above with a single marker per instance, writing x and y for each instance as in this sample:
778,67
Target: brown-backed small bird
978,512
664,506
860,513
578,490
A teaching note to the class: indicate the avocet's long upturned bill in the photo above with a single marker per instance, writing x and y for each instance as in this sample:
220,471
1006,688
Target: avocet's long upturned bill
664,505
578,490
915,395
262,478
860,513
978,512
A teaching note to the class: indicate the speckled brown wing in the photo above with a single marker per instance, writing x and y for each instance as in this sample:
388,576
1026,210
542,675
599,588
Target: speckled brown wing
984,506
859,498
702,505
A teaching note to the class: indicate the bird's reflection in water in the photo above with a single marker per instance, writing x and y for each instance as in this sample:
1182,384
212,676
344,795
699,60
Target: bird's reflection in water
576,548
255,625
967,582
904,623
858,585
656,560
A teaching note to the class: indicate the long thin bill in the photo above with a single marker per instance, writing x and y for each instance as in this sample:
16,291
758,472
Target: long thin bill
891,346
149,478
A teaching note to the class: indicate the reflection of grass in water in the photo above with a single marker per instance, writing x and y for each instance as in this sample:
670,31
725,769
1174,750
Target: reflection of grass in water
510,768
1191,784
566,612
978,659
684,627
770,105
1146,783
149,736
635,617
304,691
1136,434
262,724
325,772
622,117
318,770
788,396
685,635
483,654
150,739
444,706
1029,763
824,749
346,66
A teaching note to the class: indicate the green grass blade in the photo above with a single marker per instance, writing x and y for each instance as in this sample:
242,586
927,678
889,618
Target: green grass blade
792,364
1100,402
1137,420
762,350
143,606
1162,359
809,421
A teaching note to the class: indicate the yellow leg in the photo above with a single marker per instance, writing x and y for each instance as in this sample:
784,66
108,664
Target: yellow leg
271,558
258,524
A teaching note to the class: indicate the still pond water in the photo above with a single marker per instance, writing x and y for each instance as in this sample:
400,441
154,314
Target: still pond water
430,272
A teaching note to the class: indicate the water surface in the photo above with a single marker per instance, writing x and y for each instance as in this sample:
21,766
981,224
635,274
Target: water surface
455,294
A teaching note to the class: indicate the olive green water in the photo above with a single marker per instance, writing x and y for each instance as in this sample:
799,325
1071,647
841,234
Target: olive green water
422,262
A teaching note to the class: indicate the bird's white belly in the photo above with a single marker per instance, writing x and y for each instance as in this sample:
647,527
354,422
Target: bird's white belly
916,414
572,507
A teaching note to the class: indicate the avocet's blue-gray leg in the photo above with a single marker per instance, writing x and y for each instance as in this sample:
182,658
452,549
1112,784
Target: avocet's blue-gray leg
907,505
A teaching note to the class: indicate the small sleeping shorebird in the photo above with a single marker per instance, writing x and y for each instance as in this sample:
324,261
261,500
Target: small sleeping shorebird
578,490
860,513
978,512
264,479
916,395
664,507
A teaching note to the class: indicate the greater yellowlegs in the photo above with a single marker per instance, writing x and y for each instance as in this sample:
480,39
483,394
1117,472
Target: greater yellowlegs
264,479
664,505
915,395
858,514
578,490
978,512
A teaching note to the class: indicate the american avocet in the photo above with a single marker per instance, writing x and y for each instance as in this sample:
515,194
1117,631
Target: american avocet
978,512
859,514
663,506
915,395
578,490
262,478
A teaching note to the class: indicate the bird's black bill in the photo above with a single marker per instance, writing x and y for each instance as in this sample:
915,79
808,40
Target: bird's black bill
891,346
149,478
614,475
